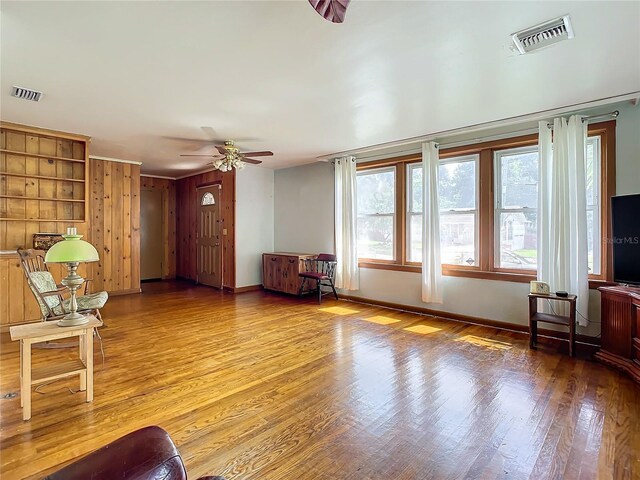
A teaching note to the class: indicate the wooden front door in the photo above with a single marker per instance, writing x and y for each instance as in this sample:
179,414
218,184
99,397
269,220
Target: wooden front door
209,238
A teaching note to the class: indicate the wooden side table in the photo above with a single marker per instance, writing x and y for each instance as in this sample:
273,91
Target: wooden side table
45,331
567,321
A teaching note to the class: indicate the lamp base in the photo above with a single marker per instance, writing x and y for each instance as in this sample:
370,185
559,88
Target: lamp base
72,320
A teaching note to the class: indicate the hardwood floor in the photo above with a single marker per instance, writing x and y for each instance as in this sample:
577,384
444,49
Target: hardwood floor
260,385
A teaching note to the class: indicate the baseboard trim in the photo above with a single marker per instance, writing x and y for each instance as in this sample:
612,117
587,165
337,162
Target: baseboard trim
129,291
248,288
485,322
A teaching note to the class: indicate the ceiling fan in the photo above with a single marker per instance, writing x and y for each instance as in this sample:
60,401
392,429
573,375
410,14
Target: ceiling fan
229,157
332,10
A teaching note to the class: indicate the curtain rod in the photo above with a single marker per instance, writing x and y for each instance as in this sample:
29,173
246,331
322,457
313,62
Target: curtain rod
613,114
490,138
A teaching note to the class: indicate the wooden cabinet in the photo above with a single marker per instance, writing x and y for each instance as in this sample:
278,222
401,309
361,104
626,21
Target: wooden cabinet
280,271
620,317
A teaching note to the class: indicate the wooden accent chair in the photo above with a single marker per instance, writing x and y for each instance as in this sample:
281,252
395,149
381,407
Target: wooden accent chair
49,294
322,269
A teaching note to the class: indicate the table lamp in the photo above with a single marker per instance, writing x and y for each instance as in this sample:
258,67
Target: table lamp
71,251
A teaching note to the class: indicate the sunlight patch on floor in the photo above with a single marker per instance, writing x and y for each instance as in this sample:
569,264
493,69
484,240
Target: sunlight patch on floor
381,320
422,329
339,310
484,342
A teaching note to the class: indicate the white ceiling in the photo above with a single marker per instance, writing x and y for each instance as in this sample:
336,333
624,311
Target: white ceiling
130,74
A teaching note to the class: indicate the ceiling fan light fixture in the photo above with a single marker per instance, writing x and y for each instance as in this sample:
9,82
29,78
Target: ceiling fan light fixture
229,162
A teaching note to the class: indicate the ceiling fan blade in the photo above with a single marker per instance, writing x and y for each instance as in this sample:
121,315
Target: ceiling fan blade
332,10
252,161
185,139
211,133
221,149
258,154
200,155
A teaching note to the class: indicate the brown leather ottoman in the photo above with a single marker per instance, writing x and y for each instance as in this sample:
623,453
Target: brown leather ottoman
146,454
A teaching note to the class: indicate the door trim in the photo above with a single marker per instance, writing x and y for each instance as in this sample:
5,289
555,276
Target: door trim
164,208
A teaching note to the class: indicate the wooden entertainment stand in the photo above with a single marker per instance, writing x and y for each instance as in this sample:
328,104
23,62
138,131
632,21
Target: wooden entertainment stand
620,317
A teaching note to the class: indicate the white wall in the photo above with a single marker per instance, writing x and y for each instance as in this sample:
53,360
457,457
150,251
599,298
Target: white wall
628,150
304,222
304,209
254,222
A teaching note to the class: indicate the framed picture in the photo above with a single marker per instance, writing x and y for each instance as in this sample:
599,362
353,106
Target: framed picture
44,241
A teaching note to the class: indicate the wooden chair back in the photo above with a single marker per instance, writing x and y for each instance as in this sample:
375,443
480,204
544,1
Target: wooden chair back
32,261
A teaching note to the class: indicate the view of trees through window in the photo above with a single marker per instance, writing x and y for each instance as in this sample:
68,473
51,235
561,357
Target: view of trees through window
457,181
516,207
376,213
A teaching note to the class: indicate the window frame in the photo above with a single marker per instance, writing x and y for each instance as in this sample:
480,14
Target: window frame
597,252
485,207
498,209
475,211
394,260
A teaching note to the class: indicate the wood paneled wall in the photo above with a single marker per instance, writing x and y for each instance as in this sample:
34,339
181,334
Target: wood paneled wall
187,211
168,188
115,226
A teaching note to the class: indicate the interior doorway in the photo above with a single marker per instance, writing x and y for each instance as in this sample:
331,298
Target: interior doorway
151,239
208,238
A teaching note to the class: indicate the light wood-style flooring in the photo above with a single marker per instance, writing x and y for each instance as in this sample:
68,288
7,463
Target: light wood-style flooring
265,386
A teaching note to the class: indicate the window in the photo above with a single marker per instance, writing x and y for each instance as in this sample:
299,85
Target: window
207,199
457,194
516,203
488,196
414,212
376,213
593,184
457,190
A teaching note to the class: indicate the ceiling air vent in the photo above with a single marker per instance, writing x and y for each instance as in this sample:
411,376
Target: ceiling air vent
26,94
543,35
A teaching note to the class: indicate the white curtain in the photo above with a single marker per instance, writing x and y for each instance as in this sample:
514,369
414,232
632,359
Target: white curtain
346,223
431,262
562,210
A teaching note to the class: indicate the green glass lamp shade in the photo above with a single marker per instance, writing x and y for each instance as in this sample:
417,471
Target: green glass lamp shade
71,249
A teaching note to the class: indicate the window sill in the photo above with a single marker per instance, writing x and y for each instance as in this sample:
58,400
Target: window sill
451,271
390,266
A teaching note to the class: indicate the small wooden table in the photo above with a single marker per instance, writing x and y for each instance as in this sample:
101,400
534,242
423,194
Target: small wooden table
567,321
43,332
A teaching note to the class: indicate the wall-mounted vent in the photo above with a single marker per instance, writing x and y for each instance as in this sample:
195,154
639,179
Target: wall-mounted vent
543,35
26,94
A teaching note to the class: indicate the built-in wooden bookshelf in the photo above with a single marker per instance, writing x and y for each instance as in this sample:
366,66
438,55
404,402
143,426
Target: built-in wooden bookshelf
43,176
